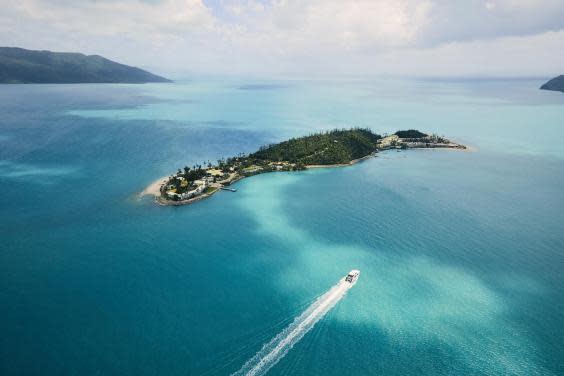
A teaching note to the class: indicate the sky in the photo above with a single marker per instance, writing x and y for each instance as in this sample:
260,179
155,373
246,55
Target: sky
292,38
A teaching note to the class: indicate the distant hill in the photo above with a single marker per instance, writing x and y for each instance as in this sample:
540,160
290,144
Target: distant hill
20,66
556,84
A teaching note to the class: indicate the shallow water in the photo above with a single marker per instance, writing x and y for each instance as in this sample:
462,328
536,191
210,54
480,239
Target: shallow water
461,252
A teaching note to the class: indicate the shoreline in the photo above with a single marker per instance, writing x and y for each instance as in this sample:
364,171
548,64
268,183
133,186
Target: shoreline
154,189
354,161
161,202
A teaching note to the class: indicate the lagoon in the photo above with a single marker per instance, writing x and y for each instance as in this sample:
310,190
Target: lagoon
461,252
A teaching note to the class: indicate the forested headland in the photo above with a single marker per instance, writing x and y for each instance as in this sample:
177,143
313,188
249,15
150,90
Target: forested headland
338,147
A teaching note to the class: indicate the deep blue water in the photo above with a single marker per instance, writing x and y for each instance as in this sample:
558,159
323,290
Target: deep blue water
461,253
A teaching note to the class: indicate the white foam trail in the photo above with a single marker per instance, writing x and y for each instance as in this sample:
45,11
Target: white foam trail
278,347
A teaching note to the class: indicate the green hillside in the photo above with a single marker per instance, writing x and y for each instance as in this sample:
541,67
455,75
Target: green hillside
18,65
337,146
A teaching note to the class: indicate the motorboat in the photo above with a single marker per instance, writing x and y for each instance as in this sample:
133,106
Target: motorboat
352,276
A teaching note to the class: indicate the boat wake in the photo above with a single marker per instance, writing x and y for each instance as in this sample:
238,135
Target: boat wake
278,347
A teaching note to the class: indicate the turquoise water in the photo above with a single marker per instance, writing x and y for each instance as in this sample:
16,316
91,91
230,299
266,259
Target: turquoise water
461,253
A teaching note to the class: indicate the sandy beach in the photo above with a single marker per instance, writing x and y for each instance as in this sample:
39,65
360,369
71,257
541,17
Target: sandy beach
154,189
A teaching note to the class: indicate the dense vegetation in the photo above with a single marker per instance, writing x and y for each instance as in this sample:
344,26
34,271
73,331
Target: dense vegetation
18,65
556,84
411,133
336,146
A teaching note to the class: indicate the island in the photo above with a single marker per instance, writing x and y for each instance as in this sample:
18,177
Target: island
21,66
335,148
555,84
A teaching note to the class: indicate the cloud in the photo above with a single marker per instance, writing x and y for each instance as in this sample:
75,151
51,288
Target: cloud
458,21
135,19
513,56
333,25
346,24
295,37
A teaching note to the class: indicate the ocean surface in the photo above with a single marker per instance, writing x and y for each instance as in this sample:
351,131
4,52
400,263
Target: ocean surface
461,253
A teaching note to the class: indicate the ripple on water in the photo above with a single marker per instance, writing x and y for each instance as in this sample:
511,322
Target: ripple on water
410,300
